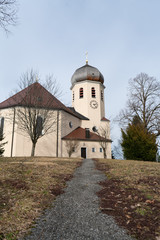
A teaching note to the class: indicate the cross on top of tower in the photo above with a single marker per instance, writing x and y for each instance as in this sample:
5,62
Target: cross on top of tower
86,57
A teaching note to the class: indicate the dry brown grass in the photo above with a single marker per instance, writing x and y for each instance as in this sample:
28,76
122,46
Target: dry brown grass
132,190
142,175
27,187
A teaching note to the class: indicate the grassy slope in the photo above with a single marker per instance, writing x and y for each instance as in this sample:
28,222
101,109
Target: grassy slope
131,194
27,187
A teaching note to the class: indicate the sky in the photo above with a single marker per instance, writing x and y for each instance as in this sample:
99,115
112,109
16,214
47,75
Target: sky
122,38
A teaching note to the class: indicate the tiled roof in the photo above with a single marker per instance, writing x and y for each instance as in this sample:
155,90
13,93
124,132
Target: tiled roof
78,114
80,134
104,119
35,95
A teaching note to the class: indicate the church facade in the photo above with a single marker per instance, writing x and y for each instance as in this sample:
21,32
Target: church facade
81,130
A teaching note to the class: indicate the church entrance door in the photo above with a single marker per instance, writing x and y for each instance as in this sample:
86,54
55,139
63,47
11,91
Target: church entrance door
83,152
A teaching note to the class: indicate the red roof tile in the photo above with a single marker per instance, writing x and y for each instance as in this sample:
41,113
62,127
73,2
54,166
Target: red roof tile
80,134
35,95
104,119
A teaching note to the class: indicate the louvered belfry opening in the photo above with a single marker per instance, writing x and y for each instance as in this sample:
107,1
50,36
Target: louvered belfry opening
101,95
93,92
81,93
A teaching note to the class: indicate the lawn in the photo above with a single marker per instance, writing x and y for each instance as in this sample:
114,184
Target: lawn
131,194
27,187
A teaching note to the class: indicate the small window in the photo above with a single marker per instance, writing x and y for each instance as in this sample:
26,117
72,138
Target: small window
101,95
73,96
73,149
93,91
94,129
93,149
101,150
1,126
39,99
70,124
81,93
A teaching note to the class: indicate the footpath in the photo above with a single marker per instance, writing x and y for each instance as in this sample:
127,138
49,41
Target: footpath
75,215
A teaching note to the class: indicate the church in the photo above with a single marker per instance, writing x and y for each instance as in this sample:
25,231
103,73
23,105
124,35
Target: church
78,131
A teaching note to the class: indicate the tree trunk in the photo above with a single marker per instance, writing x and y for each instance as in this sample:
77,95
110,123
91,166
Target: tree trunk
33,149
104,153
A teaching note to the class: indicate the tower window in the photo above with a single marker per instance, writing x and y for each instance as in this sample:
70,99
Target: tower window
93,91
81,93
101,95
73,96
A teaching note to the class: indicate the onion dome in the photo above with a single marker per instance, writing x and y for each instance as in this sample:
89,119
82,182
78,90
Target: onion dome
87,72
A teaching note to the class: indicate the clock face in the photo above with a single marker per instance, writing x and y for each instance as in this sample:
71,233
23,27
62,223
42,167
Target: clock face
93,104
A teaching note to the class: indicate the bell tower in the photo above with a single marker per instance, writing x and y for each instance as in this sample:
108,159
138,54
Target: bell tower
88,92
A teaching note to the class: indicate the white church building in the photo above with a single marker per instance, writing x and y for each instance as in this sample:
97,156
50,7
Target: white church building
84,123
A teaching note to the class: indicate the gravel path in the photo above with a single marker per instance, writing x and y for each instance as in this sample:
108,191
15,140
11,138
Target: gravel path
75,215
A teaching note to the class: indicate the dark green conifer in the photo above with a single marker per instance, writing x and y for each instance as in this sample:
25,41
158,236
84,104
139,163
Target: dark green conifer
138,143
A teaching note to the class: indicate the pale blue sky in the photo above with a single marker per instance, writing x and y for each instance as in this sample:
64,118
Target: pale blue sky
122,38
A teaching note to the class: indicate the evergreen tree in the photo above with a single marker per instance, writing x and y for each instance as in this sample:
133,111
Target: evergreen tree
138,143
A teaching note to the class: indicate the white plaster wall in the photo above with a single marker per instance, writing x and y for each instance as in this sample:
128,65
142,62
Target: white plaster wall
7,131
46,146
65,128
23,145
82,105
90,124
88,145
65,119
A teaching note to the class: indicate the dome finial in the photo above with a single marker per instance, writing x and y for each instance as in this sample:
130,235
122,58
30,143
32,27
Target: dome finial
86,58
37,80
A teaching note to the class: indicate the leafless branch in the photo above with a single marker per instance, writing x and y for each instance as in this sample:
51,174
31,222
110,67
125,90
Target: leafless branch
104,136
8,13
144,102
34,112
71,146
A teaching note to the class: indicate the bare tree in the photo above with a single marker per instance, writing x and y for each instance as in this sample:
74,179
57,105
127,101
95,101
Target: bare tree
144,102
118,153
103,133
32,76
71,146
8,13
35,115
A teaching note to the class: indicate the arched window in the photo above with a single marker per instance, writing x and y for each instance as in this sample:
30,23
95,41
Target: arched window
1,127
93,92
101,95
81,93
39,126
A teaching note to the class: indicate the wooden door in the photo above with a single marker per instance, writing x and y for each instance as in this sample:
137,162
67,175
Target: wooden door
83,152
